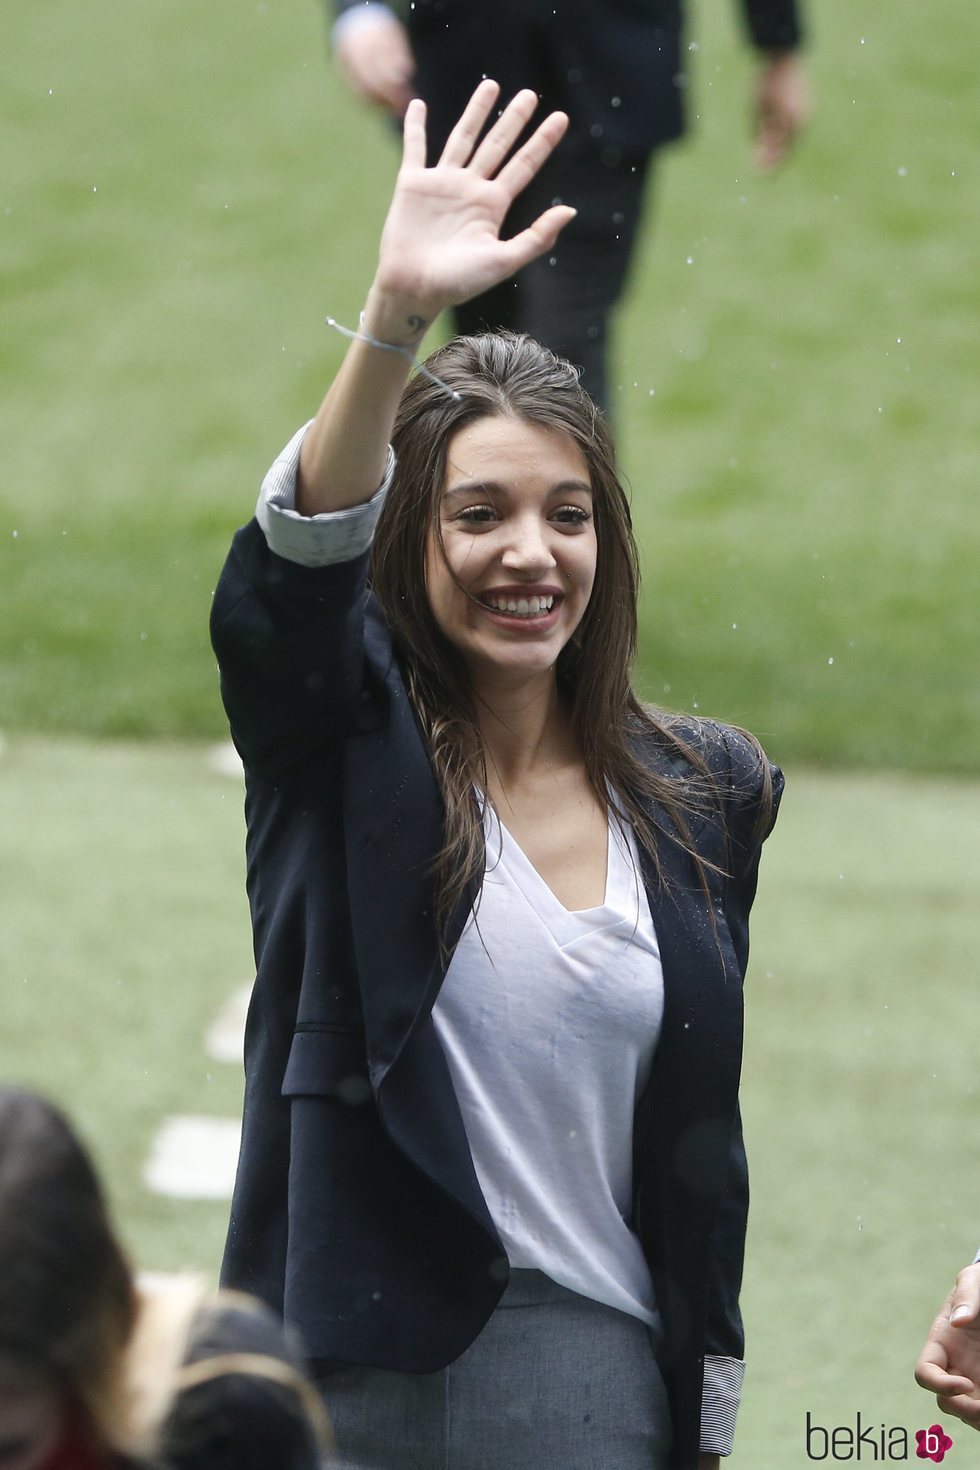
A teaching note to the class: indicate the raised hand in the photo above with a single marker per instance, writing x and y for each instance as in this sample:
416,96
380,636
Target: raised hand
441,241
440,245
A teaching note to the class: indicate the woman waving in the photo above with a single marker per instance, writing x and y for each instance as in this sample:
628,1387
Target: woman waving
491,1162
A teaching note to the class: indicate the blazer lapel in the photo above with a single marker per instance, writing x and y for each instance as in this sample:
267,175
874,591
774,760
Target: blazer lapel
701,1033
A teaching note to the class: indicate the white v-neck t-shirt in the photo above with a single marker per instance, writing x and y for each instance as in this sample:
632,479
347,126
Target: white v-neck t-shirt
549,1019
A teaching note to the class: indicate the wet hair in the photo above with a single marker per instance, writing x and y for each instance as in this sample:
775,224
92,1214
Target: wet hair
67,1299
508,374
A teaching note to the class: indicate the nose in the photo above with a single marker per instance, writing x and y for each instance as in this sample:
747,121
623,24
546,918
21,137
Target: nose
528,548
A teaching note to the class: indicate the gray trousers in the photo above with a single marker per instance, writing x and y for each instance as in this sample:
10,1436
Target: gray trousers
553,1382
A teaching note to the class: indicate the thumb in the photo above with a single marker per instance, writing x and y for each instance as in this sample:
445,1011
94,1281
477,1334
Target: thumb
538,237
964,1302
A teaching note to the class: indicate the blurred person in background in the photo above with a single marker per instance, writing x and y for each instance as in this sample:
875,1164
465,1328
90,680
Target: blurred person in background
491,1162
616,68
949,1363
99,1371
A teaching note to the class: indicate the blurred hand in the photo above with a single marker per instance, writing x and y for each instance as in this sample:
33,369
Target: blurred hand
375,58
782,107
440,244
949,1363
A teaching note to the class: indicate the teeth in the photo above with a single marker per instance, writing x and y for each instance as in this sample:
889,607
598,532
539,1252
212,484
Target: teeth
522,607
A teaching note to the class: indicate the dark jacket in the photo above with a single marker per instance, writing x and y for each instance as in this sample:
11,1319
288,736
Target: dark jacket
357,1210
615,66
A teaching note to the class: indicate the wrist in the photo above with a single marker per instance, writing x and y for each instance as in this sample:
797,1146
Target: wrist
394,317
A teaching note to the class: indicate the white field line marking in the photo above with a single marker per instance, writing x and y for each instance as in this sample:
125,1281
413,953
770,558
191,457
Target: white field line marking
194,1158
225,1038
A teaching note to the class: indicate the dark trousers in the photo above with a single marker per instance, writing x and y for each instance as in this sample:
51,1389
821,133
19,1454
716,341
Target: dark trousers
566,299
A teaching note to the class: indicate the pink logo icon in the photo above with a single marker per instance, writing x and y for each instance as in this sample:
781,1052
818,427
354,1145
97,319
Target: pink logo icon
932,1443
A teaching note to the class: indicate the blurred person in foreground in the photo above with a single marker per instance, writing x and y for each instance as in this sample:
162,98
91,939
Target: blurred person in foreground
99,1371
616,68
949,1363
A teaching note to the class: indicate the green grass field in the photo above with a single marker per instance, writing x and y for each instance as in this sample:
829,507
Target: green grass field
186,193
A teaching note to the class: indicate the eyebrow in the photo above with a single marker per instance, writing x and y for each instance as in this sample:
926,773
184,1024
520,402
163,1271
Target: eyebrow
493,487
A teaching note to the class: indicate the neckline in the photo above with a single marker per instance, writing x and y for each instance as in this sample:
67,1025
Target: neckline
539,893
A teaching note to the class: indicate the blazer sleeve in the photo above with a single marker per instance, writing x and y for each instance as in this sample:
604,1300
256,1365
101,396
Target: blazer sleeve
289,641
754,791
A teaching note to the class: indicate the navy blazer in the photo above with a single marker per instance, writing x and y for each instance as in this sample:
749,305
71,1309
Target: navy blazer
357,1210
615,66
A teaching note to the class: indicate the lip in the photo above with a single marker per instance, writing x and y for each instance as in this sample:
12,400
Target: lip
521,623
520,589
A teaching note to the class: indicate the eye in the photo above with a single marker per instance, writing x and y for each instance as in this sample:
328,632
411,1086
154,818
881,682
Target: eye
476,515
571,515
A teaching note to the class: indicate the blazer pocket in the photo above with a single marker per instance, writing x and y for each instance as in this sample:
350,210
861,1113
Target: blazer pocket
328,1064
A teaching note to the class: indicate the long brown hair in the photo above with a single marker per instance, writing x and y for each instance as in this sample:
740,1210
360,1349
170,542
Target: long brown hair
508,374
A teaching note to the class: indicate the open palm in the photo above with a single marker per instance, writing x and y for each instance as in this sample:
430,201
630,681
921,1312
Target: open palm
441,241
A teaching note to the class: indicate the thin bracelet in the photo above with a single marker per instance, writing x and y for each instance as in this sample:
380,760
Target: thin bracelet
361,336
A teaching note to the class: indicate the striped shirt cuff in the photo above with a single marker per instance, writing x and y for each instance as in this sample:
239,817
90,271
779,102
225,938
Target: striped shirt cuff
320,540
719,1403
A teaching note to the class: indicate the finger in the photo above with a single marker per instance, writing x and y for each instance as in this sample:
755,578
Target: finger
504,134
964,1302
538,237
518,172
463,138
967,1409
413,135
936,1380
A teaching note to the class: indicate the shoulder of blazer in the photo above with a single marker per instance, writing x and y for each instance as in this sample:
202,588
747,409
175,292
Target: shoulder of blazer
728,783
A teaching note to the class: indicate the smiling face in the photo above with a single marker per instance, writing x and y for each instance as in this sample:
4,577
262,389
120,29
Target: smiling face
513,575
